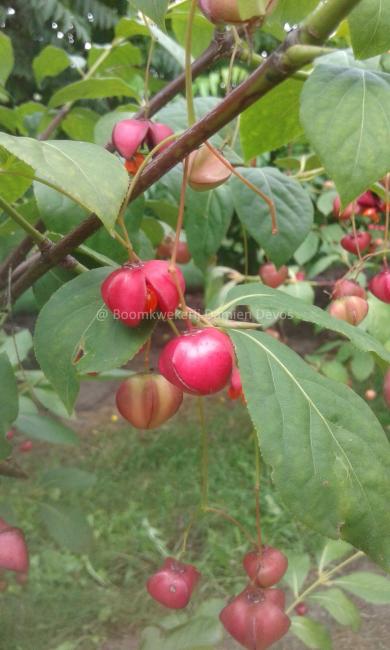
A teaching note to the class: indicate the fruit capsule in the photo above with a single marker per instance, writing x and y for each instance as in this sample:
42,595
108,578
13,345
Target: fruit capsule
380,285
351,309
206,171
13,549
271,276
148,400
173,584
265,568
355,244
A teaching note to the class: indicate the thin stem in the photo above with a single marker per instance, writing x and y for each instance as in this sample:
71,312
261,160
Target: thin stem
179,226
35,235
173,327
225,515
252,187
257,491
246,250
186,534
204,456
188,64
237,44
355,236
322,579
148,67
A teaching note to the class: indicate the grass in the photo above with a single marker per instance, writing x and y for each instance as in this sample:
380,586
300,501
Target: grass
145,489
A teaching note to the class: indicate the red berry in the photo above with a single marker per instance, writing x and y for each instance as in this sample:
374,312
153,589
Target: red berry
128,136
265,568
345,214
13,548
368,200
386,388
206,171
254,619
10,434
380,285
235,388
26,446
348,288
354,244
148,400
271,276
173,584
134,291
301,609
351,309
300,276
200,362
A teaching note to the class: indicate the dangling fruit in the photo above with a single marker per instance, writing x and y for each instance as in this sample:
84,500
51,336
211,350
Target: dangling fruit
158,133
255,618
235,388
13,548
271,276
348,288
267,567
353,244
350,309
380,285
206,171
165,249
368,200
148,400
235,12
173,584
199,362
345,214
129,135
136,290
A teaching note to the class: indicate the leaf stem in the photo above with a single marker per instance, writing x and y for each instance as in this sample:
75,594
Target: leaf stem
35,235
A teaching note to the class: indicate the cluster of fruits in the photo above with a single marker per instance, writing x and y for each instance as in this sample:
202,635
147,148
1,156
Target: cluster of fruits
255,618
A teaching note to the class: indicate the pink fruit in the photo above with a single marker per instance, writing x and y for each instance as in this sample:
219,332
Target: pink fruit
199,362
301,276
254,619
271,276
129,135
345,214
354,244
136,290
235,388
386,388
380,285
26,446
13,548
206,171
173,584
10,434
351,309
370,394
348,288
165,249
148,400
265,568
301,609
368,200
235,12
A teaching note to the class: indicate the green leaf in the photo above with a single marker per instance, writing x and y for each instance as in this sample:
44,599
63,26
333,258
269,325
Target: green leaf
50,400
17,347
362,365
294,211
126,28
332,551
68,527
273,121
6,58
11,121
354,101
43,428
369,586
343,610
297,572
292,11
202,30
335,370
154,9
308,248
68,478
265,298
302,290
313,634
119,63
314,433
89,175
79,124
8,399
15,176
92,89
50,62
49,283
369,24
74,319
105,125
378,318
202,630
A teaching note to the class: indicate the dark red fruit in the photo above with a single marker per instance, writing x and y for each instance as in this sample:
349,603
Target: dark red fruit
271,276
350,309
345,214
165,249
13,548
368,200
148,400
265,568
301,609
354,244
386,388
344,288
134,291
255,619
380,285
235,388
173,584
199,362
10,434
26,446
